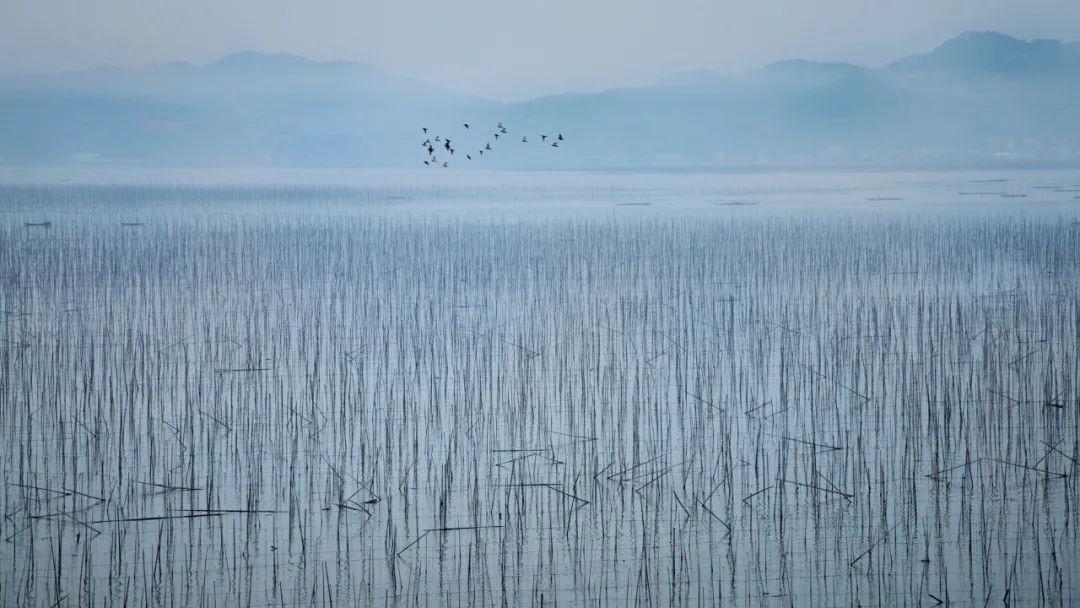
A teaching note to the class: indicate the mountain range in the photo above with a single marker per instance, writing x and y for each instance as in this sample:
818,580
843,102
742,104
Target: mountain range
981,98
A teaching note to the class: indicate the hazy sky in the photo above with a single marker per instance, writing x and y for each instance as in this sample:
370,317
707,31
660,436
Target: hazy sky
510,49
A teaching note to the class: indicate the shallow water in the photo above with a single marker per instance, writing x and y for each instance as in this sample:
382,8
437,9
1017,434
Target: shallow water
356,388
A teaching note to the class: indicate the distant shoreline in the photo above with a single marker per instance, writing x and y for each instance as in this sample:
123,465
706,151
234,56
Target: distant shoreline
57,171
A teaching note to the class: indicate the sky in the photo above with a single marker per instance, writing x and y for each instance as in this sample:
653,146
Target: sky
510,49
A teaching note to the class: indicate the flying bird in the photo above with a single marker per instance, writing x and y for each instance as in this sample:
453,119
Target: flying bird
447,144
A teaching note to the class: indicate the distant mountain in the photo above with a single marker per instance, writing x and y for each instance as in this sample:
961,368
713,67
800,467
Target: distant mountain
994,54
244,109
980,98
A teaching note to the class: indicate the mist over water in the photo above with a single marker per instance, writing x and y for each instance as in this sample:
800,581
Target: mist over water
455,388
977,99
494,303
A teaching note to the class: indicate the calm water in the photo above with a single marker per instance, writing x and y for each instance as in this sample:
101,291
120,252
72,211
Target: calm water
439,388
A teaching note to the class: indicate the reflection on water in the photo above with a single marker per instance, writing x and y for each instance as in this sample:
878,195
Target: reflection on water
816,389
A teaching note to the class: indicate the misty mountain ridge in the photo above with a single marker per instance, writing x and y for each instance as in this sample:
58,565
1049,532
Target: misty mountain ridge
979,98
995,54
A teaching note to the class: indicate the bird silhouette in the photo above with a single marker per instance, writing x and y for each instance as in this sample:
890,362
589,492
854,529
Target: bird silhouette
430,141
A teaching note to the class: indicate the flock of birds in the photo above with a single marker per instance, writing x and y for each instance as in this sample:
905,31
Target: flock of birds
434,145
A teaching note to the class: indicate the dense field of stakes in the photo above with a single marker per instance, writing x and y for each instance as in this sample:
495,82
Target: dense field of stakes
270,396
